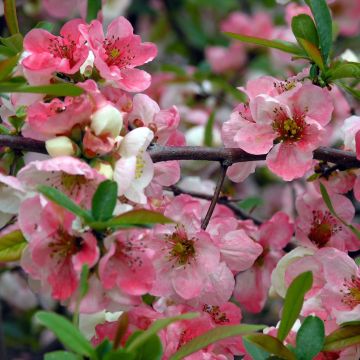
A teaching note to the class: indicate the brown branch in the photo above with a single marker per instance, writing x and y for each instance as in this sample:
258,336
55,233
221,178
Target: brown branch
215,197
226,156
223,200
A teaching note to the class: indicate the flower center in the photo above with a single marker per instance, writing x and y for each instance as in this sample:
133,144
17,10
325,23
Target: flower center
69,182
63,48
182,249
117,54
64,245
351,296
288,129
217,315
323,226
140,164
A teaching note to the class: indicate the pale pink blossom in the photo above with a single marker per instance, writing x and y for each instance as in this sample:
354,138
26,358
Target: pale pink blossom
119,53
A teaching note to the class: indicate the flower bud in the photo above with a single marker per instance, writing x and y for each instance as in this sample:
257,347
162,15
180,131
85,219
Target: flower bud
61,146
104,169
107,120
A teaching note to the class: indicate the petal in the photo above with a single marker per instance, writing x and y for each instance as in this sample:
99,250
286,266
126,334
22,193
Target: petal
135,141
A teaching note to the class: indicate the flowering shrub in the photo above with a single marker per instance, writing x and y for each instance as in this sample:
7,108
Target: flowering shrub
148,255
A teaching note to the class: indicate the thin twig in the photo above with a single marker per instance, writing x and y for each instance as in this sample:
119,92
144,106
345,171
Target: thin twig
22,143
215,197
223,200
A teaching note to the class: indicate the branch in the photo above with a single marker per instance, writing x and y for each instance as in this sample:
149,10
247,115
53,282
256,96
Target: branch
215,197
223,200
226,156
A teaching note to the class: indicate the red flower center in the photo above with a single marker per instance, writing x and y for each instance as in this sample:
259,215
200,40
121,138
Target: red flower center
118,54
61,47
182,249
351,296
323,226
288,129
217,315
65,245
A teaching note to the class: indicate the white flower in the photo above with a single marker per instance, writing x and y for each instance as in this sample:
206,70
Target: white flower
60,146
107,120
135,170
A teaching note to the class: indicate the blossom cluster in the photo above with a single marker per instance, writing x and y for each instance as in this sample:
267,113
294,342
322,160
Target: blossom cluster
229,265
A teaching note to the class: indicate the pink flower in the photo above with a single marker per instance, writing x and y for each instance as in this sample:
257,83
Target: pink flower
50,53
293,119
252,285
316,227
64,8
118,53
56,253
72,176
127,263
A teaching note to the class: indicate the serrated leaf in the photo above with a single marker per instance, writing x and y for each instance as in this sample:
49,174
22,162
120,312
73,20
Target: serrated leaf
53,89
10,16
310,338
344,70
61,355
284,46
209,128
322,16
342,338
67,333
104,200
272,345
61,199
293,303
93,7
155,327
303,27
210,337
12,246
313,52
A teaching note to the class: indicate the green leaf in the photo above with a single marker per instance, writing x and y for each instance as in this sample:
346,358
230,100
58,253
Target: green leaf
93,7
329,205
354,92
250,203
104,200
151,349
12,246
53,89
44,25
155,327
13,43
342,338
271,344
293,303
61,355
10,16
322,16
61,199
120,354
310,338
256,352
344,70
67,333
303,27
7,66
210,337
104,348
284,46
347,323
133,218
208,136
313,52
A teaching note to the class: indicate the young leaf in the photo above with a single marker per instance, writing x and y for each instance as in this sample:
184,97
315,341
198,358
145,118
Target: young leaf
284,46
120,354
293,303
271,344
133,218
208,135
151,349
7,66
93,7
61,199
67,333
313,52
310,338
303,27
53,89
13,43
155,328
344,70
12,246
10,16
61,355
213,335
354,92
342,338
322,16
104,200
256,352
